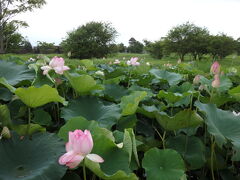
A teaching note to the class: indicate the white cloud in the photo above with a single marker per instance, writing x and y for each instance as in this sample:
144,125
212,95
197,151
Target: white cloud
141,19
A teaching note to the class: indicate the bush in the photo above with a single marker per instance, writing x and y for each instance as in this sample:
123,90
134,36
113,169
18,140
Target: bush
155,49
93,40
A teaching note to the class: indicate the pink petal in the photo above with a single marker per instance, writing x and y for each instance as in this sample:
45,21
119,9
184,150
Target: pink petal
65,68
64,159
84,144
95,158
75,161
56,62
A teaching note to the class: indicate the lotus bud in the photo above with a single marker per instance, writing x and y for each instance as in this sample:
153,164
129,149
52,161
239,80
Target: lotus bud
196,79
216,81
5,133
215,68
148,63
69,54
179,61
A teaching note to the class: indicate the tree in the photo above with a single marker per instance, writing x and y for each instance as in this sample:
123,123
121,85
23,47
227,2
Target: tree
155,49
94,39
135,46
221,46
187,38
11,8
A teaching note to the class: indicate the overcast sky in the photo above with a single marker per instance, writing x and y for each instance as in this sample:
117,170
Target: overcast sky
141,19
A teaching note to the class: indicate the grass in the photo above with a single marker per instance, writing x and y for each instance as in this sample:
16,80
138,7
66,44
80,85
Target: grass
203,65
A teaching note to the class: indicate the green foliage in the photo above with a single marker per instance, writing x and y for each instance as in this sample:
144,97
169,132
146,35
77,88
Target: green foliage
90,40
31,158
35,97
135,46
155,49
164,164
187,38
221,46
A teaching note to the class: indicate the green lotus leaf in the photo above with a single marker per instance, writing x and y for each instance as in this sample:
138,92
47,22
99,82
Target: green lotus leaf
235,92
42,117
24,130
31,159
15,73
35,97
183,119
170,77
115,92
116,160
126,122
5,94
129,104
164,164
5,118
169,96
83,84
4,82
223,125
92,108
191,148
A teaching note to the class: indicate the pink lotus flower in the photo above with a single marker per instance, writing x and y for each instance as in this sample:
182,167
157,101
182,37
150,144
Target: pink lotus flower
216,81
57,64
133,62
116,61
78,147
215,68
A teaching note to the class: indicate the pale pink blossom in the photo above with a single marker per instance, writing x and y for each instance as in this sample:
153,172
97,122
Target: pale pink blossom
215,68
78,147
133,61
216,81
57,64
116,61
196,79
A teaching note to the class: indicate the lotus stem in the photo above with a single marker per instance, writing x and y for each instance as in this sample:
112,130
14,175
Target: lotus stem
29,121
212,158
84,170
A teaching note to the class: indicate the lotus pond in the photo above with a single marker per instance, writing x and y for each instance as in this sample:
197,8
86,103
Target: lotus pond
124,120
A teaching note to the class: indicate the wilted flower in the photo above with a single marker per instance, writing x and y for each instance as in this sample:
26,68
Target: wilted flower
133,61
236,114
216,81
167,65
57,64
215,68
69,54
196,79
58,81
110,62
116,61
148,63
5,133
100,73
78,147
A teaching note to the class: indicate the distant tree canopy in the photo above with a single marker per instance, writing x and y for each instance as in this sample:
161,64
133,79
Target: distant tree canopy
187,38
155,49
93,39
8,10
135,46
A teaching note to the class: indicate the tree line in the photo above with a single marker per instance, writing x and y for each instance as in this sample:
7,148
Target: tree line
97,39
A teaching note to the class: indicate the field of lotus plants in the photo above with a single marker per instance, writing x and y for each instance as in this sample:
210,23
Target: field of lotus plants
123,120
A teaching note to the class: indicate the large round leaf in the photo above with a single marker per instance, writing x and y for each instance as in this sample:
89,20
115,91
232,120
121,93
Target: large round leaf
191,149
35,97
223,125
183,119
92,108
115,92
129,104
15,73
31,159
170,77
163,164
82,83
